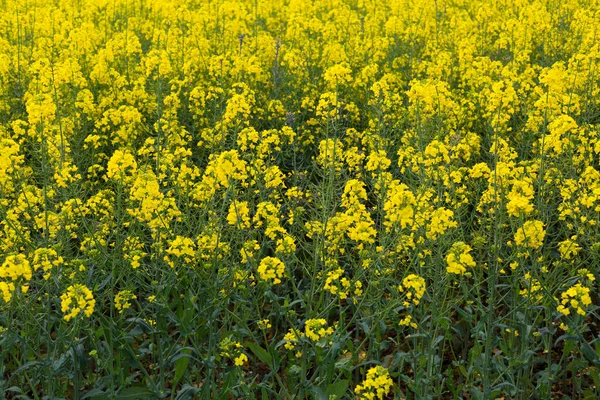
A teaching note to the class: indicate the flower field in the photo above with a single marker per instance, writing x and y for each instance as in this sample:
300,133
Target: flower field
336,199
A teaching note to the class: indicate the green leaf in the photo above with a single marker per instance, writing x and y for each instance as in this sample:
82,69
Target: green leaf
94,394
136,393
589,395
187,392
181,364
318,393
576,366
261,353
338,388
589,353
25,366
476,394
227,384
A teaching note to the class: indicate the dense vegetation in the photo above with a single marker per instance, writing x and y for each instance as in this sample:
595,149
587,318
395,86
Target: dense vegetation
291,199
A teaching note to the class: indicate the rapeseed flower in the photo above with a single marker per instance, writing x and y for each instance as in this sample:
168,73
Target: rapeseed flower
122,300
459,259
271,269
376,385
77,299
316,329
576,298
530,235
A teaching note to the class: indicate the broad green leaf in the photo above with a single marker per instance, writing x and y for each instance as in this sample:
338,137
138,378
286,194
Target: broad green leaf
261,353
136,393
181,364
338,388
187,392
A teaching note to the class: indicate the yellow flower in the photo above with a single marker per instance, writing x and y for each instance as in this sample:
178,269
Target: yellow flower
331,154
407,321
46,259
271,269
239,214
378,161
77,299
338,74
291,339
232,349
122,300
399,206
531,234
15,267
377,384
335,285
264,324
441,220
414,288
225,169
576,298
568,248
286,245
273,177
240,360
6,290
315,329
586,274
459,259
121,166
519,198
183,248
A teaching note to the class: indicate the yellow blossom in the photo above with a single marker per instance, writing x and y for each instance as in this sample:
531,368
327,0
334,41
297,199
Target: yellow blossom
459,258
78,299
271,269
531,234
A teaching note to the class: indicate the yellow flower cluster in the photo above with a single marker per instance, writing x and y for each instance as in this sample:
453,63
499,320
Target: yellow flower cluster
317,329
271,269
239,214
376,385
291,339
569,248
181,248
133,251
459,259
77,299
14,269
576,298
264,324
6,290
292,152
121,166
520,198
331,153
530,235
122,300
413,287
532,288
47,259
337,284
232,349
